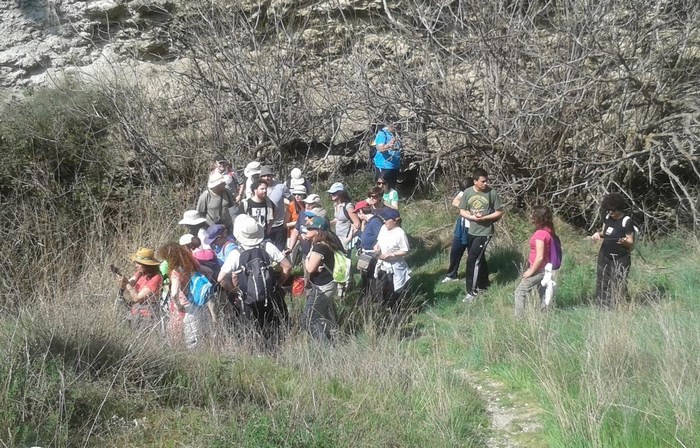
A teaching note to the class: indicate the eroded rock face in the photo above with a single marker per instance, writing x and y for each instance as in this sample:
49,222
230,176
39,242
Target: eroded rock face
39,39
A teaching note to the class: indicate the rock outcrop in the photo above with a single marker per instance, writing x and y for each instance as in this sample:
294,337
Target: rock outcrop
40,39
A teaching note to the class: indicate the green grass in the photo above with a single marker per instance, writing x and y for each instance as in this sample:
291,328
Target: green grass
623,378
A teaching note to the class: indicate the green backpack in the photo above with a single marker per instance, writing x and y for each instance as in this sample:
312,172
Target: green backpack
341,267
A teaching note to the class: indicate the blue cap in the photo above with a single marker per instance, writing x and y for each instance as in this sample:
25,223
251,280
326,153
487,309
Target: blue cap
388,213
213,232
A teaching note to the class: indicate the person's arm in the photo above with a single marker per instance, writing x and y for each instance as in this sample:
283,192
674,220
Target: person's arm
134,297
286,266
598,235
492,217
356,223
313,262
393,200
175,285
537,262
627,242
202,204
457,199
293,237
393,255
382,143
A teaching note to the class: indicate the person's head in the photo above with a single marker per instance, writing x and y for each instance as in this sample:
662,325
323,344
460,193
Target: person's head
391,217
189,241
296,174
252,170
216,183
267,174
336,191
375,197
216,235
298,193
248,231
481,179
318,231
383,184
193,221
613,203
464,184
259,188
341,197
312,201
393,124
542,217
178,257
363,210
223,166
145,261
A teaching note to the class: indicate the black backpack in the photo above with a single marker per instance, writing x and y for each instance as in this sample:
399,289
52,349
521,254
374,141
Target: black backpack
256,280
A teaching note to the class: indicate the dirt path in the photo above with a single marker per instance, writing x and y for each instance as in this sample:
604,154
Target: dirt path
515,420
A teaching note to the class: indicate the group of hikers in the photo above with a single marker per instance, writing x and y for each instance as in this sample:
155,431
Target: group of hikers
250,229
245,236
480,208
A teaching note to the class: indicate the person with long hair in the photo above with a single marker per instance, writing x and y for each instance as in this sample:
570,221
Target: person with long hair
347,224
186,318
142,291
614,257
320,316
540,246
389,195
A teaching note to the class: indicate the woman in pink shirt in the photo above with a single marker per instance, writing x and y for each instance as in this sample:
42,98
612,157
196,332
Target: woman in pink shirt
540,244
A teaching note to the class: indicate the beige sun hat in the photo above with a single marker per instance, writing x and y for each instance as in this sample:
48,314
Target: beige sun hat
247,231
252,169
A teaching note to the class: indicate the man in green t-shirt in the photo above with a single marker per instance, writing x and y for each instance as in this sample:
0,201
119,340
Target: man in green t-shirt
481,206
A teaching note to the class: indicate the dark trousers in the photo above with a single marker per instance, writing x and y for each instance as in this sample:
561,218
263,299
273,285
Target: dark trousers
390,176
611,280
266,320
278,237
456,252
477,269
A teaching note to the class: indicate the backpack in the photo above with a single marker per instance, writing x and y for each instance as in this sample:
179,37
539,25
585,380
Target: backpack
341,267
636,229
200,289
256,281
555,253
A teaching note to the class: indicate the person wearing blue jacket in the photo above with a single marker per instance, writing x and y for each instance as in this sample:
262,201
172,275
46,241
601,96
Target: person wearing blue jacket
372,224
387,157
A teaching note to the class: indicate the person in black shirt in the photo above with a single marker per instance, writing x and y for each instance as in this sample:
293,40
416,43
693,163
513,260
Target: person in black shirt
320,316
614,259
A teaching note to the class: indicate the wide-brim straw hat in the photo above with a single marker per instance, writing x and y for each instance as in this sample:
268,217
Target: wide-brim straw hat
145,255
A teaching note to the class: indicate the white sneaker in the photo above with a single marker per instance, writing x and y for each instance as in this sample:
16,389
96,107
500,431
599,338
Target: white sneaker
448,279
469,298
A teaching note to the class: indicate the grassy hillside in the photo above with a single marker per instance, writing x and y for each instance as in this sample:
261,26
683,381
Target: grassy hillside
629,377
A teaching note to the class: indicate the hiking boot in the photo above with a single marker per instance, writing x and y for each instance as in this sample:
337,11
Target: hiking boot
448,279
469,298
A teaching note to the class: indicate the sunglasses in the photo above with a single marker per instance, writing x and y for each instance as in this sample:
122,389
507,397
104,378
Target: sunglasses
381,183
374,196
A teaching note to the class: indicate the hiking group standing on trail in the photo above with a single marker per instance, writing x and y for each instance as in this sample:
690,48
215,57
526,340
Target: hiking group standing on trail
248,233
